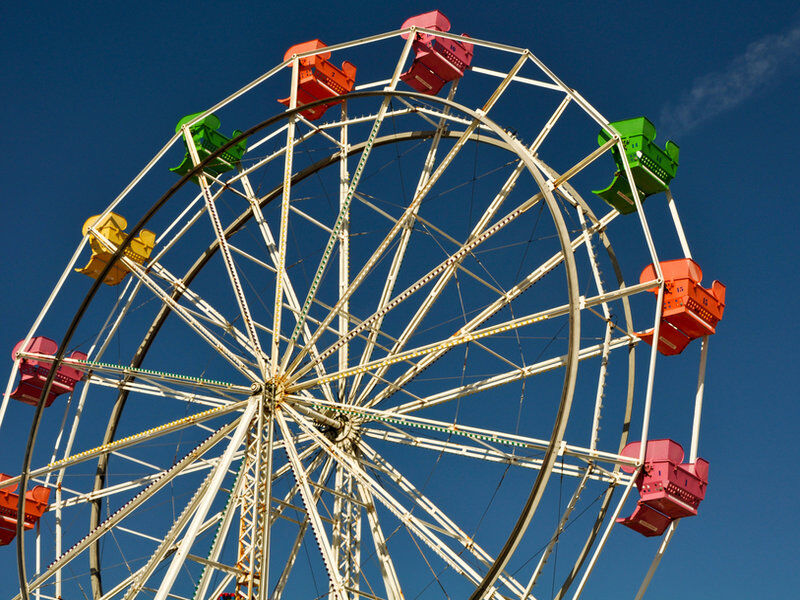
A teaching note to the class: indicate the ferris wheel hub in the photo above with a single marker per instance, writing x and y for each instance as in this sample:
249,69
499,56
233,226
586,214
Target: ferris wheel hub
345,434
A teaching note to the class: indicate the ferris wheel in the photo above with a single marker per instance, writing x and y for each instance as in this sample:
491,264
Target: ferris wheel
362,346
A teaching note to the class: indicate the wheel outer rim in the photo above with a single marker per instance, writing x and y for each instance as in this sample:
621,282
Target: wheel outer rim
568,388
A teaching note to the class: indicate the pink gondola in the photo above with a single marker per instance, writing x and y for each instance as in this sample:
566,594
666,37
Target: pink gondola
437,60
669,489
34,372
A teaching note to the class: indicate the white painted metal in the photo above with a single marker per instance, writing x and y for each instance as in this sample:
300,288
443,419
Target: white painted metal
488,312
517,79
166,544
131,440
420,195
230,266
443,271
284,220
673,210
48,303
599,548
336,582
128,508
698,410
393,416
277,592
180,310
422,530
489,454
219,473
288,288
559,530
698,401
211,314
446,523
399,254
601,383
434,347
344,248
657,560
345,204
311,404
390,580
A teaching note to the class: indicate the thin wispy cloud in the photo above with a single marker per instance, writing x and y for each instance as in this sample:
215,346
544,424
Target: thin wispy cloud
760,64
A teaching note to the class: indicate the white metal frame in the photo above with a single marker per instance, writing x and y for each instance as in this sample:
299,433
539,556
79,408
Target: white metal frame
285,394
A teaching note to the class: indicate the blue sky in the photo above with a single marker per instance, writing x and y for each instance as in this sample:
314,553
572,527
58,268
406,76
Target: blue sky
91,91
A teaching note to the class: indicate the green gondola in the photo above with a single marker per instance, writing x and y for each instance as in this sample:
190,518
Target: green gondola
207,140
652,167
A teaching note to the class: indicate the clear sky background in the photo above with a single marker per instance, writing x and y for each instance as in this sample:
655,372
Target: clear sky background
90,91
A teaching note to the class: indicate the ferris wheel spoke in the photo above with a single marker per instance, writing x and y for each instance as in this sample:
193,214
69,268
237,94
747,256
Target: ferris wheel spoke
465,337
601,543
147,386
419,196
484,452
218,474
562,525
134,439
77,498
151,376
286,468
463,251
467,542
236,361
513,293
220,535
167,543
421,114
256,500
391,582
609,328
280,586
405,236
337,585
164,242
347,509
116,517
445,269
225,251
344,244
275,256
420,529
283,231
101,341
428,225
321,131
355,321
501,379
268,158
208,312
286,502
210,562
345,200
488,439
429,535
148,375
452,264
